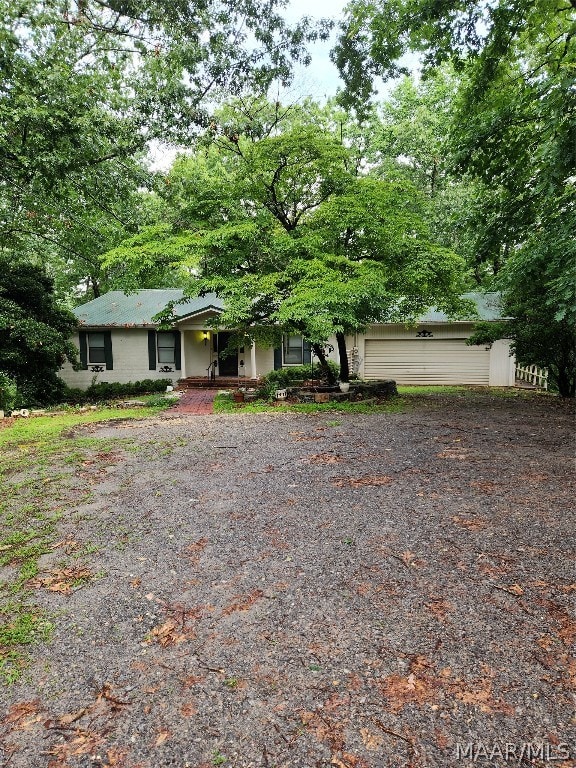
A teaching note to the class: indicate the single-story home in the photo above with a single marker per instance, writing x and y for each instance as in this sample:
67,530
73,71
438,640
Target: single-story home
119,341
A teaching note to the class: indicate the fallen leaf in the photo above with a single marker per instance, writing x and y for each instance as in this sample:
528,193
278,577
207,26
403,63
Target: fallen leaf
513,589
166,634
439,607
243,602
372,741
325,458
72,716
116,757
366,480
63,581
407,557
188,709
454,454
23,715
161,738
472,524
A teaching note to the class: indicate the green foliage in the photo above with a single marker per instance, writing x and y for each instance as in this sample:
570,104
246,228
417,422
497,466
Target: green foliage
307,244
8,392
103,390
224,404
512,133
284,377
542,328
34,333
86,87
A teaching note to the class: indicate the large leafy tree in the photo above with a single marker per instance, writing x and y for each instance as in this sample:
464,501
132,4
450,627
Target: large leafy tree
513,132
298,241
86,86
34,333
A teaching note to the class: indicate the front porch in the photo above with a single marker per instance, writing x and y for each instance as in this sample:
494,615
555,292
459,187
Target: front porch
206,361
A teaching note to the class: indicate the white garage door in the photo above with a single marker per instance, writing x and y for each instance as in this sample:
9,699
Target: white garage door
426,361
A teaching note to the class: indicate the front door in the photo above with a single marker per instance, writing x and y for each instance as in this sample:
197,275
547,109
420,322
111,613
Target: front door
228,364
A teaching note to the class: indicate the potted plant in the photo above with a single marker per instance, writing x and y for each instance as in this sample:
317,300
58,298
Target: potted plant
238,396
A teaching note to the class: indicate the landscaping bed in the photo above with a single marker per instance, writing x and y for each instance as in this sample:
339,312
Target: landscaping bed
359,590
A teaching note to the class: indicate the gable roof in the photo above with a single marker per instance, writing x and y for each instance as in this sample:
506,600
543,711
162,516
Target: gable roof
137,309
488,306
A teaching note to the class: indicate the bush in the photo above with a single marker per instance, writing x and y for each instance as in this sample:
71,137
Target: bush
291,376
284,377
8,392
113,390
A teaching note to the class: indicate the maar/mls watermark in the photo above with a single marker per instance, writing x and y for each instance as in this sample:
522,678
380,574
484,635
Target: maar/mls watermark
514,753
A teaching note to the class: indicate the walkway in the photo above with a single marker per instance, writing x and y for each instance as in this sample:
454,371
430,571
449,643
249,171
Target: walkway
194,401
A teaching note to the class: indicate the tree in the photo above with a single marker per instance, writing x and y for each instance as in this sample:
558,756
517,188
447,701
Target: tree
34,333
309,247
513,133
84,89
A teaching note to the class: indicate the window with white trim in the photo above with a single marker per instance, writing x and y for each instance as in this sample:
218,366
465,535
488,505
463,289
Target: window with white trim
293,350
96,350
165,342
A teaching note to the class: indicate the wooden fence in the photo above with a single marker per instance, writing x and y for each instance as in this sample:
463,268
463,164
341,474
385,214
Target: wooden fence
532,374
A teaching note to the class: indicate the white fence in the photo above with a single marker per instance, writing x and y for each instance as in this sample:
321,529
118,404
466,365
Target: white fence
534,375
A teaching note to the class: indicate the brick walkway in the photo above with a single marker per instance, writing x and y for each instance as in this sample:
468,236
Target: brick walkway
194,401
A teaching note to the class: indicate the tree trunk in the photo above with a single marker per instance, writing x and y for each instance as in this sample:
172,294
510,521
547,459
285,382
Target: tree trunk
566,381
323,362
344,368
96,292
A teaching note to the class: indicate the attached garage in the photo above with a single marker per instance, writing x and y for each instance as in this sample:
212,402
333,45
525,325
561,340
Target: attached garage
426,361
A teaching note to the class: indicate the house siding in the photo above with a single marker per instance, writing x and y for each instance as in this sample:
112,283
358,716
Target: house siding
130,351
464,364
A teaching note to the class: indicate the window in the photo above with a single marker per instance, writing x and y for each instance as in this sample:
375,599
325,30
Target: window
165,342
293,350
96,349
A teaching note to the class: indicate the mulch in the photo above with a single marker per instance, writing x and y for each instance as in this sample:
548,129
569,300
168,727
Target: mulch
316,591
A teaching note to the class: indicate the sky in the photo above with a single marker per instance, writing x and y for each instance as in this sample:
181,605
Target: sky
320,79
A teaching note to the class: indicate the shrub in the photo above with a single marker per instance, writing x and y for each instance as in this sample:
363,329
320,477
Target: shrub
284,377
8,392
111,390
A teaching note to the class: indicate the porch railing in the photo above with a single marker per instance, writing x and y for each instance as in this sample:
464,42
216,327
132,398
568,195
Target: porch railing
532,374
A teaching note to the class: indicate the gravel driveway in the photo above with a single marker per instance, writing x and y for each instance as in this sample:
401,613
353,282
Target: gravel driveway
357,591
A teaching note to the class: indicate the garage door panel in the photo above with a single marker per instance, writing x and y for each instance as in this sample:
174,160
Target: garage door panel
426,361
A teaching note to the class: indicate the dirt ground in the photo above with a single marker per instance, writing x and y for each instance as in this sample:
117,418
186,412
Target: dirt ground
315,591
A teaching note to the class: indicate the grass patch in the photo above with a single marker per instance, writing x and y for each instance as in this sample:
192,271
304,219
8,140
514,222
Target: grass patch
435,390
470,391
408,398
223,403
45,428
40,466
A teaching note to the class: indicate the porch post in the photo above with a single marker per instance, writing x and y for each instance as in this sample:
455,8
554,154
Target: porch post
183,354
253,361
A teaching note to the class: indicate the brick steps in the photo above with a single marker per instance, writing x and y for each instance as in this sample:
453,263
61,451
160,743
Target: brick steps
220,382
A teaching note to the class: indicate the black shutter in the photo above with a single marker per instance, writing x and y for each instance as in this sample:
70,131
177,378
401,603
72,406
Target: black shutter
177,351
278,358
83,338
108,350
151,350
306,352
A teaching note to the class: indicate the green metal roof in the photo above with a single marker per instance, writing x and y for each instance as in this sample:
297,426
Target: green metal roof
119,309
488,306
